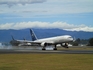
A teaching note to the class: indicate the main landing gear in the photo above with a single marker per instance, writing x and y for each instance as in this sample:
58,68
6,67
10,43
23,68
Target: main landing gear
43,48
55,48
66,45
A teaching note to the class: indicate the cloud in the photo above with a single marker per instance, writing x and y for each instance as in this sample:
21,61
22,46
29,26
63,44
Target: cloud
37,24
51,6
23,2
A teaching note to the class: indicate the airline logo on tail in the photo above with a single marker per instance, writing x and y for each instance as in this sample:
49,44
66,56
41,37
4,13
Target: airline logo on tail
33,36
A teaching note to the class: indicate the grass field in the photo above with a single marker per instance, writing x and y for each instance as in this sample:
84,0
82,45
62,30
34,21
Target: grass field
46,61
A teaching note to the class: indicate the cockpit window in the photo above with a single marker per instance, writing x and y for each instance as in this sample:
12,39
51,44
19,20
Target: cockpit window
70,37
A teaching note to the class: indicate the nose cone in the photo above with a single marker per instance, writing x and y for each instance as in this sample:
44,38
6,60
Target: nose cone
72,39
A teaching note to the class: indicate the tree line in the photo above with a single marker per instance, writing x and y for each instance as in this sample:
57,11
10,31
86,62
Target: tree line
87,42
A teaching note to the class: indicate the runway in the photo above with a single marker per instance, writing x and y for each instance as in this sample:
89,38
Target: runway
17,51
25,49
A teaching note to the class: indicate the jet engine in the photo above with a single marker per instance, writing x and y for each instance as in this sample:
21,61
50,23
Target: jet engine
43,44
65,45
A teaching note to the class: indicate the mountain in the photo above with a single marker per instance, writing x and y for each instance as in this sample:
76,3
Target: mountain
5,35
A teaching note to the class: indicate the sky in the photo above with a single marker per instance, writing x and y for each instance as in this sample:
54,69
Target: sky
72,15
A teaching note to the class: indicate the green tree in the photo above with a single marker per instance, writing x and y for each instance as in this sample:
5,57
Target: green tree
75,44
91,42
78,40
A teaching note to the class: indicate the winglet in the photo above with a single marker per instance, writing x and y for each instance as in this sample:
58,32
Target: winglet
33,36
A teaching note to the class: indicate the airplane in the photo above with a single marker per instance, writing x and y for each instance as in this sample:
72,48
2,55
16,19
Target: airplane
62,40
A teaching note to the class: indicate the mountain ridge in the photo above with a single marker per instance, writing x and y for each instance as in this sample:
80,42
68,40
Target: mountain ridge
5,35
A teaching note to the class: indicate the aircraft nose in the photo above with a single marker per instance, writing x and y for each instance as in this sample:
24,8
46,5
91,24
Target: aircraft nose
72,39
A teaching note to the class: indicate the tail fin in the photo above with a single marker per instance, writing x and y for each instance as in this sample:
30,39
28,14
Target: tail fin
33,36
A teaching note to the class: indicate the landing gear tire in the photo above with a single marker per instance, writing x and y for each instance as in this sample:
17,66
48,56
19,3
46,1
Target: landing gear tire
43,48
55,49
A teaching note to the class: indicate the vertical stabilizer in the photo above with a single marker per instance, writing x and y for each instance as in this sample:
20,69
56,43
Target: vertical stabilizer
33,36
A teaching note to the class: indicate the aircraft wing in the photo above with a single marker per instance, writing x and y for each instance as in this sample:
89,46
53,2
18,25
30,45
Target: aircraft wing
38,43
35,42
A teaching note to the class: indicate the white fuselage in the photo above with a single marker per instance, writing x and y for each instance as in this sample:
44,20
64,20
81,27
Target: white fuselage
57,39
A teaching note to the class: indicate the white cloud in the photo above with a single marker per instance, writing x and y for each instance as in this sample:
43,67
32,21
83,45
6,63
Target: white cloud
37,24
46,7
23,2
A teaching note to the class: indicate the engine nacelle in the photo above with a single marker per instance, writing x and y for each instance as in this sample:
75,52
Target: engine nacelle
43,44
65,45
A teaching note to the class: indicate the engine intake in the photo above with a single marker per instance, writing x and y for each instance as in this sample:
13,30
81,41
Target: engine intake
43,44
65,45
